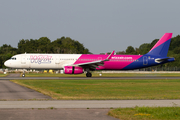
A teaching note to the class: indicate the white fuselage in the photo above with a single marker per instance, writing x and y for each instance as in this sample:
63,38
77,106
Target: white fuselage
41,61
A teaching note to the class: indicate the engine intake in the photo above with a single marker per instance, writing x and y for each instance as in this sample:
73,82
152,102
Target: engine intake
73,70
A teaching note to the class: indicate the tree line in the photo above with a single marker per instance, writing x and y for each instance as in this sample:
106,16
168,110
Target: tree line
63,45
66,45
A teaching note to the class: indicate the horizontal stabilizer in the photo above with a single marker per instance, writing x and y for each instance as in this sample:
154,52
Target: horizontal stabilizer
159,60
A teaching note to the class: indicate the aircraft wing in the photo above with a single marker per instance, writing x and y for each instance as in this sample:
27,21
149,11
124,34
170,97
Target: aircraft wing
93,65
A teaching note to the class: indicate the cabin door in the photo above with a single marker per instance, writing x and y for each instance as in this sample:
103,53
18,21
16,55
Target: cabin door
23,59
145,60
24,63
99,58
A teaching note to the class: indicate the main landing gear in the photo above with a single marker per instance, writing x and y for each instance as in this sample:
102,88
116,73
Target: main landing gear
88,74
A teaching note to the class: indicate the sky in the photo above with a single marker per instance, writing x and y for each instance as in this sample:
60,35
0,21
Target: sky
100,25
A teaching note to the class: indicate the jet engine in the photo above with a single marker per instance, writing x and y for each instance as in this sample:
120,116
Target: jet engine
73,70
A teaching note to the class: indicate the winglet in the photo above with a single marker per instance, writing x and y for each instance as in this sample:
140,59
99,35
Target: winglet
109,57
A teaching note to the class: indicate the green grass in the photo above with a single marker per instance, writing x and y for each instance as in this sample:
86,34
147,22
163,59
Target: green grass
146,113
3,75
95,74
105,89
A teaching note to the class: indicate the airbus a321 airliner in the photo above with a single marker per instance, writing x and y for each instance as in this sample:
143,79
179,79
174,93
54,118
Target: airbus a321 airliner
80,63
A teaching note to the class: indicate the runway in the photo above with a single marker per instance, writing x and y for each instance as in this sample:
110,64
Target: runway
55,114
12,91
85,78
91,104
14,76
21,103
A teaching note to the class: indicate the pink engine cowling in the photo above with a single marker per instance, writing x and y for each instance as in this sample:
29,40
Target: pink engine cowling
73,70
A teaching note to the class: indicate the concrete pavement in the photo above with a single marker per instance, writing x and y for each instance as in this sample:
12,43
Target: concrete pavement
12,91
89,104
55,114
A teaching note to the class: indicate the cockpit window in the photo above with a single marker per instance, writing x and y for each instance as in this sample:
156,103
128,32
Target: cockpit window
13,58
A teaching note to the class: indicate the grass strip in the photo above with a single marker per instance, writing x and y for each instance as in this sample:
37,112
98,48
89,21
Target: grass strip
105,89
146,113
3,75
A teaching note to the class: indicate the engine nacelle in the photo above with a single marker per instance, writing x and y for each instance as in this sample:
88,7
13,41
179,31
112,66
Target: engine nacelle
73,70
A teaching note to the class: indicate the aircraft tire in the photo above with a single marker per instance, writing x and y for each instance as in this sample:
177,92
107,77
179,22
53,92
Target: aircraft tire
23,75
88,74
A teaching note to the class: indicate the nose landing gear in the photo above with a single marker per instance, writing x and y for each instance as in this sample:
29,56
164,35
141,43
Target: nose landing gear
23,75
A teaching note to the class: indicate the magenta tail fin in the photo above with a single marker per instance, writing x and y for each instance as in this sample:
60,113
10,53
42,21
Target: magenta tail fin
162,46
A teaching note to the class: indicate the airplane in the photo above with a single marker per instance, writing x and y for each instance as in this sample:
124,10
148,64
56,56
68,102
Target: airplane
80,63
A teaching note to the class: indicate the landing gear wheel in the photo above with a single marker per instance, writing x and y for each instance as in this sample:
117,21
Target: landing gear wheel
88,74
23,75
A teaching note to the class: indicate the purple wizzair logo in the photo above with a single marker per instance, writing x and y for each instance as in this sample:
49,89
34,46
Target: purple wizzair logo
41,59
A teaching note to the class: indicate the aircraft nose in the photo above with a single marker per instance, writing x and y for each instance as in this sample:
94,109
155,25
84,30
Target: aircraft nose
6,63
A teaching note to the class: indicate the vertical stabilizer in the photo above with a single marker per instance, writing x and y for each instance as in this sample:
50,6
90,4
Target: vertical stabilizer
162,46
